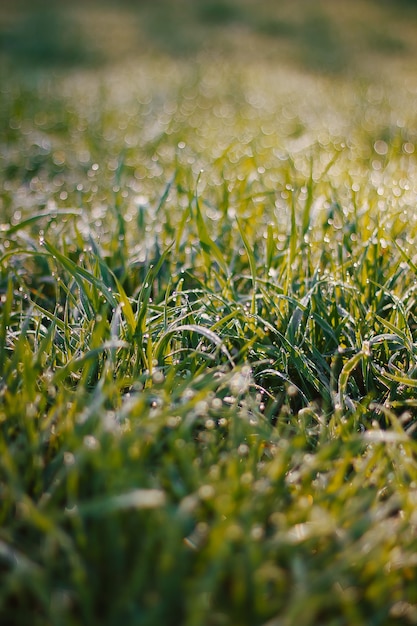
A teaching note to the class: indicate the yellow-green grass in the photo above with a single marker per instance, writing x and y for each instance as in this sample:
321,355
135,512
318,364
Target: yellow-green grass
207,336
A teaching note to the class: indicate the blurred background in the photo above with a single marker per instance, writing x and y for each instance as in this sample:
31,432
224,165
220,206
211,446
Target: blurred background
342,37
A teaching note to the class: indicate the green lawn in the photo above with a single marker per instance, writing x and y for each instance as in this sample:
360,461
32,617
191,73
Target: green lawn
208,323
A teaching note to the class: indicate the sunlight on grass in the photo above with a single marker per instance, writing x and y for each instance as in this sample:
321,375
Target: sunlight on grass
207,338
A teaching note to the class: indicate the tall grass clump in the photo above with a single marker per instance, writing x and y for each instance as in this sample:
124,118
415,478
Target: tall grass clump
207,350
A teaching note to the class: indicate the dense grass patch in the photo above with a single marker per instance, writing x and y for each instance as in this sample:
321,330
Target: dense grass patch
207,347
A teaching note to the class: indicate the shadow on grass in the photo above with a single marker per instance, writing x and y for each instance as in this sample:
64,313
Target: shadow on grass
320,46
302,34
45,37
218,12
186,28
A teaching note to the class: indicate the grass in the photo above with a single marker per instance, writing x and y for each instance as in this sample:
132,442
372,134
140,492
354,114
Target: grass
207,345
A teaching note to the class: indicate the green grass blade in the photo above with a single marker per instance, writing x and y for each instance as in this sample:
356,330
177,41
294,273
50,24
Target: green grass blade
210,248
252,265
49,215
80,274
5,310
344,376
193,328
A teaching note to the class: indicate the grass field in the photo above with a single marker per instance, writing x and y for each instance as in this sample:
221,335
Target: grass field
208,324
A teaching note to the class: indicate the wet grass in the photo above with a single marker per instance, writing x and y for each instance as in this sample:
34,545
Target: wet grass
207,346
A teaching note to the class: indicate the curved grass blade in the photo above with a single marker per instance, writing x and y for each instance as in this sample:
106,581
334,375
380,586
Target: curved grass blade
80,273
344,376
400,335
45,214
195,328
273,372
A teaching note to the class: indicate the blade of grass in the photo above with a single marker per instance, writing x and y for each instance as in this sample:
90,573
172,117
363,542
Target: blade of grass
252,264
6,309
194,328
80,274
210,248
51,215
